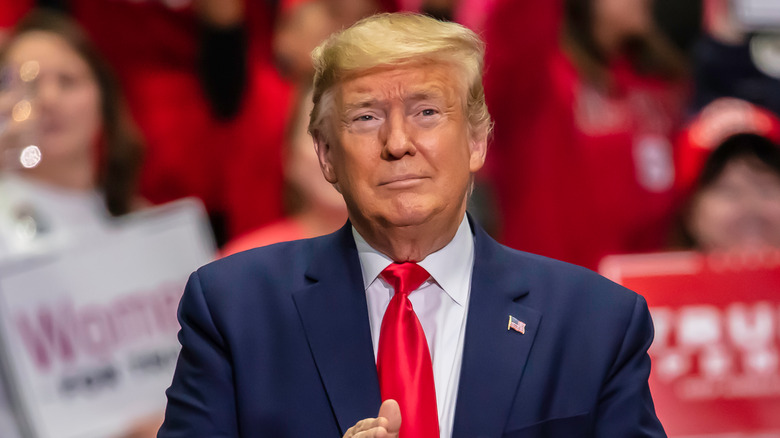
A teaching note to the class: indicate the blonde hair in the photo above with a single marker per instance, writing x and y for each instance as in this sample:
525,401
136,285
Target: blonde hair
399,39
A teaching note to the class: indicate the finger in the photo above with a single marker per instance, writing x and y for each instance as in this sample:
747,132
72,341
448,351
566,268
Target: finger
392,412
376,432
365,425
387,424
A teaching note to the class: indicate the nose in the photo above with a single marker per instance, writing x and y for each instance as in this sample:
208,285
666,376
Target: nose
398,141
46,92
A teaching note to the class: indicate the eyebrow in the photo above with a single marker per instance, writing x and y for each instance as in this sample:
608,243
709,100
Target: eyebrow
417,96
361,103
430,94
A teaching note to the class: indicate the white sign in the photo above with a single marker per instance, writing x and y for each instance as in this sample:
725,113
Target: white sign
89,334
8,426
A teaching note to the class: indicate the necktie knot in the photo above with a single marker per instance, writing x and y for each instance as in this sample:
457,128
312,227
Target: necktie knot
405,277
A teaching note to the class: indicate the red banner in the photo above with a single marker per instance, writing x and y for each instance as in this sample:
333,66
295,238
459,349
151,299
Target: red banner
716,354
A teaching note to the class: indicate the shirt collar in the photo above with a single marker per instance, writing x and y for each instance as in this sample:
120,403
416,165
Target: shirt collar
450,266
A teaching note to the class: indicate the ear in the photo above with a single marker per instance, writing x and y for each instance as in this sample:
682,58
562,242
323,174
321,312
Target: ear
478,149
324,155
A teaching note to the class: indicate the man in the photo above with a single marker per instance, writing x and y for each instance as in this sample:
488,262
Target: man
309,337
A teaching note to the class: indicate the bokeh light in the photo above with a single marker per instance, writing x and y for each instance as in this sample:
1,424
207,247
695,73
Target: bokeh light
21,111
29,71
30,156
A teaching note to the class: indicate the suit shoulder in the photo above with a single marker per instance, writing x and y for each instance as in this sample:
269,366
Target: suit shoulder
264,255
280,263
568,279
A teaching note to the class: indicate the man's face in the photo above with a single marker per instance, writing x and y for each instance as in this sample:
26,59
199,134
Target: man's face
401,153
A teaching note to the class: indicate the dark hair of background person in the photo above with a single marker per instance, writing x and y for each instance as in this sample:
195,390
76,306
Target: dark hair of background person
665,54
121,149
758,152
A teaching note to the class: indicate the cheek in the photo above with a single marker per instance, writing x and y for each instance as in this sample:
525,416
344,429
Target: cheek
357,154
712,215
85,112
354,170
772,212
457,157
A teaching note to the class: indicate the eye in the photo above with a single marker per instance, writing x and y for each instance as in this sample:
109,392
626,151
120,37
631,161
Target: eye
428,112
365,118
67,81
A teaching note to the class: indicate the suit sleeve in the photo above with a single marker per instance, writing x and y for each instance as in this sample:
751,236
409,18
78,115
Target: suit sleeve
625,404
201,399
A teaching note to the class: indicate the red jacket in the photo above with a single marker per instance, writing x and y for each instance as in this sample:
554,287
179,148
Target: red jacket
578,173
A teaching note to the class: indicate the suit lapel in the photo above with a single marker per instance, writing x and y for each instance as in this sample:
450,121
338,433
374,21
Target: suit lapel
493,356
334,315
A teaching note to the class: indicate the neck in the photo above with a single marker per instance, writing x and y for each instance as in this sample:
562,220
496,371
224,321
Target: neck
411,243
73,175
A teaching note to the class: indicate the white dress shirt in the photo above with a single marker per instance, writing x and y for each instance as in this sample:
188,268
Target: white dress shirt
441,305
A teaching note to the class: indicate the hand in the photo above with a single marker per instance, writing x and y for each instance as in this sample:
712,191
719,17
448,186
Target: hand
720,23
386,425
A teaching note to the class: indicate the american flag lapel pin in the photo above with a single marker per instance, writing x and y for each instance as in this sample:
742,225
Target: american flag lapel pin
516,325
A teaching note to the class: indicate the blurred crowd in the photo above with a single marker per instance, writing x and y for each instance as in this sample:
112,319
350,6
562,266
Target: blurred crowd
593,100
621,126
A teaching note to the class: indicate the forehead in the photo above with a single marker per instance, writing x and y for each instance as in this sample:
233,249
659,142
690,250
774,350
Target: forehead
415,82
749,169
48,49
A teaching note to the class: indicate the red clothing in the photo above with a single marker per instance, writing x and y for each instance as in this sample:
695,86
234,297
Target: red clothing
578,173
284,230
235,167
12,10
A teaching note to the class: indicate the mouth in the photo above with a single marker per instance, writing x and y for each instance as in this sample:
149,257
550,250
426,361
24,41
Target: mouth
402,181
50,127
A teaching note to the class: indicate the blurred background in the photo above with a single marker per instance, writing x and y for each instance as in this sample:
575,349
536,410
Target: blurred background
621,126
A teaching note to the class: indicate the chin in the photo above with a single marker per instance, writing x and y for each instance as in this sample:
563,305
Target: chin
408,217
407,221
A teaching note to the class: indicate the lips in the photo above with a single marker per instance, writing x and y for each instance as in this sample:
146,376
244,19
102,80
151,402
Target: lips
50,126
400,181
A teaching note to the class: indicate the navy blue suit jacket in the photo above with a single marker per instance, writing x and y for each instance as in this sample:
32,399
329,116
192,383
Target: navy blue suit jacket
276,343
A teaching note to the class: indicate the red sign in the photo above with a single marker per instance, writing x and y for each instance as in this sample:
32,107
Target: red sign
716,353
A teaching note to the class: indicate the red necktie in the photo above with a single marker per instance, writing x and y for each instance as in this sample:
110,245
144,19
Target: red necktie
404,361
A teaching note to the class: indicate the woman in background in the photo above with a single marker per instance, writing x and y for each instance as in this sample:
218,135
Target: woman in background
70,154
586,96
71,108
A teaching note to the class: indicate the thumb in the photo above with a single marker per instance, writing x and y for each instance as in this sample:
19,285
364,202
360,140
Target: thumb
392,412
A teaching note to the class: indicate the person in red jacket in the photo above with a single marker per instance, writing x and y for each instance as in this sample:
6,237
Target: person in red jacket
585,95
230,158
